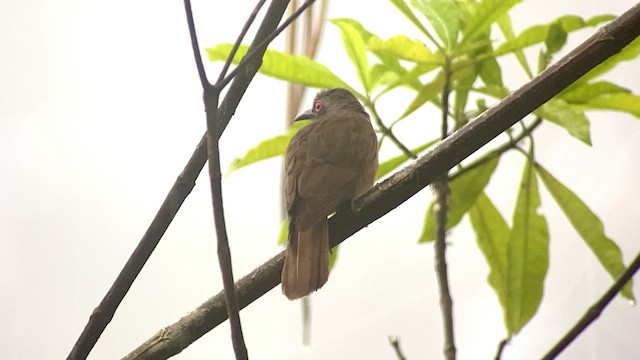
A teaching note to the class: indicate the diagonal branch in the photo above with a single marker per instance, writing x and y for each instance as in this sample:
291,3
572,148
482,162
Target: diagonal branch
390,193
595,310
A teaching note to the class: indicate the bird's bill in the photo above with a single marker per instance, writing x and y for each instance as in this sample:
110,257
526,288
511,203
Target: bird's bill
309,114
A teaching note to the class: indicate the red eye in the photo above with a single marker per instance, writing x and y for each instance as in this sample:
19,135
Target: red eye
317,106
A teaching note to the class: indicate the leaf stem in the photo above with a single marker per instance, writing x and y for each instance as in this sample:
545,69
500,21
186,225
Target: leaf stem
387,132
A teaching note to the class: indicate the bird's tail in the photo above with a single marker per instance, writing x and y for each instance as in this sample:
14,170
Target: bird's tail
306,262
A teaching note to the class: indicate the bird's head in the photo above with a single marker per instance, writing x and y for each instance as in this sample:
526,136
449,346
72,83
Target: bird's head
331,100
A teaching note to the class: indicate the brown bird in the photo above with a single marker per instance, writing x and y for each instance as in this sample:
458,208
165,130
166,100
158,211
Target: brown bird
328,163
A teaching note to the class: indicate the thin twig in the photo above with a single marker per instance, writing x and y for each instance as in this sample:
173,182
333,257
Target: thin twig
236,45
395,344
501,346
511,144
195,47
386,131
273,35
104,312
224,252
595,310
211,99
440,245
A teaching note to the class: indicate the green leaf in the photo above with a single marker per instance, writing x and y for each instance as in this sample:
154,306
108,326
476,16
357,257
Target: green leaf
486,13
354,44
333,256
444,18
630,52
283,235
504,22
629,103
589,226
391,164
492,235
598,19
498,92
538,33
490,72
406,11
404,48
556,38
568,116
465,189
527,255
543,60
277,64
429,91
466,77
585,91
411,78
269,148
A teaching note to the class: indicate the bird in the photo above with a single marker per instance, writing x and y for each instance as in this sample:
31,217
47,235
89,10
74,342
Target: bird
328,163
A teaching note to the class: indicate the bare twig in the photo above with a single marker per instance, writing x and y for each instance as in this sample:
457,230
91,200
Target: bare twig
224,252
442,199
185,182
211,98
395,344
195,47
251,53
501,346
236,45
386,131
595,310
511,144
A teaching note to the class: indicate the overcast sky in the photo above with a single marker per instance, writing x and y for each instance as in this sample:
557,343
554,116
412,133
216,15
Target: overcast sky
100,109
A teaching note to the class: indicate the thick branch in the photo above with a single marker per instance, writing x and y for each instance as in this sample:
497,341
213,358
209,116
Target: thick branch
387,195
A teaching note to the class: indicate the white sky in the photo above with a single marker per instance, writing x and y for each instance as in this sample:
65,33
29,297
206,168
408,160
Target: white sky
100,108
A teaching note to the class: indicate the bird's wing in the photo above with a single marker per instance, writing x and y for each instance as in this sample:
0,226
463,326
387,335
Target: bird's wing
338,150
293,164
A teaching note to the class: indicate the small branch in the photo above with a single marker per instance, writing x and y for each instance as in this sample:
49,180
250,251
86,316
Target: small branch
386,131
224,252
252,53
195,47
236,45
395,344
501,346
595,310
442,198
511,144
